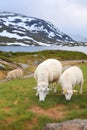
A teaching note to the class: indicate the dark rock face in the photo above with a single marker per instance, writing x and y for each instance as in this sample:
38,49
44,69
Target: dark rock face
76,124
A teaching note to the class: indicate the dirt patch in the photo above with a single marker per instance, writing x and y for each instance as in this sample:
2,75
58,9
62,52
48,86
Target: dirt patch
10,120
1,75
56,112
31,124
6,109
73,62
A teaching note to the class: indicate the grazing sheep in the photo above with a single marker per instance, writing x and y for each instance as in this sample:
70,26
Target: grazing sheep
47,72
14,74
69,79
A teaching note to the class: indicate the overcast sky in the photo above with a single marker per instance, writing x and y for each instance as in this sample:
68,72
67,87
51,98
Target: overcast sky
70,16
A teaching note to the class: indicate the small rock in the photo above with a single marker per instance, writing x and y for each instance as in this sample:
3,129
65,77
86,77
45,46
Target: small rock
25,66
2,67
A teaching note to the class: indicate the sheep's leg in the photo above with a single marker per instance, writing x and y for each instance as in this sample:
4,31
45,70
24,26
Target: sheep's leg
37,93
55,89
51,86
81,84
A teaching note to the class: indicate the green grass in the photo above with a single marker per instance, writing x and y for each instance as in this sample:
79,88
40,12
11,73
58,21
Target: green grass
61,55
34,58
18,96
31,58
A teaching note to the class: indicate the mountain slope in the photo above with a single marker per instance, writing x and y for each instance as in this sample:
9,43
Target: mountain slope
16,29
78,38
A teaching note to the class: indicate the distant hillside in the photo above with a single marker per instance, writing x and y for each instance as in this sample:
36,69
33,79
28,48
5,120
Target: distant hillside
23,30
79,38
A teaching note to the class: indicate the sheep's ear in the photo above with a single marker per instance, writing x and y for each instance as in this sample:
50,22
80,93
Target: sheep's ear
49,88
75,91
35,88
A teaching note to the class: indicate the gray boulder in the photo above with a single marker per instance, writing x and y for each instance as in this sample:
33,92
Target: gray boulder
2,67
76,124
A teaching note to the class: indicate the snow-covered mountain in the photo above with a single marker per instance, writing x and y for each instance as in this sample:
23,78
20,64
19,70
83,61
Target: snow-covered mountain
78,37
18,29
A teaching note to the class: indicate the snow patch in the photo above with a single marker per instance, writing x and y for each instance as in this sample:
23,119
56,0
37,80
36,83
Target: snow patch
17,43
11,35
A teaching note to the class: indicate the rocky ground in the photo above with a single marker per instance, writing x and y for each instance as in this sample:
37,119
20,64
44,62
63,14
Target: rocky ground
3,72
77,124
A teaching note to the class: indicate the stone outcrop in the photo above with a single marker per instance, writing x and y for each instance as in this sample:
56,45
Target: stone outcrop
76,124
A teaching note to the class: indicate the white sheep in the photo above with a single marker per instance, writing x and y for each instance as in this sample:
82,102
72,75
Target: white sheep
14,74
47,72
69,79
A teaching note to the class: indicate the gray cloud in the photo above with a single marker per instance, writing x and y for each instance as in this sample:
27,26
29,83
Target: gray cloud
70,16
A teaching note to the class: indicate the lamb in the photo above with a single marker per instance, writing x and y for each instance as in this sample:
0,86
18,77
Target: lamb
47,72
14,74
69,79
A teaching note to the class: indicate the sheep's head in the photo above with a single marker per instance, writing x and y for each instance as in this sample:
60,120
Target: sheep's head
42,92
68,93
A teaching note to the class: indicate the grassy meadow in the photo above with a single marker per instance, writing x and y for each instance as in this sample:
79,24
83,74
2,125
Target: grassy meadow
20,108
